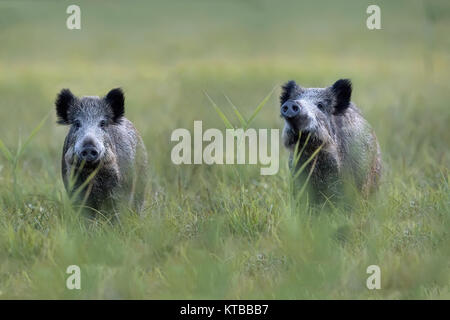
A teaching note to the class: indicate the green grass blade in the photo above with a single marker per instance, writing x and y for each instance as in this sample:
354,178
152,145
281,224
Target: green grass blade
31,136
259,107
85,183
238,114
220,113
308,161
8,155
307,178
296,156
303,148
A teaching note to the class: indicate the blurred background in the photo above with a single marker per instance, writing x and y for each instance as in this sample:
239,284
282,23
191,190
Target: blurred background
165,55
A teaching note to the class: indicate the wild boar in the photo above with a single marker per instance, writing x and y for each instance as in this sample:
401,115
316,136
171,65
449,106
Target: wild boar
349,148
105,146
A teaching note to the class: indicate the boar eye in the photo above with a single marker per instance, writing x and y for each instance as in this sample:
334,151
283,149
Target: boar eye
320,105
102,123
77,124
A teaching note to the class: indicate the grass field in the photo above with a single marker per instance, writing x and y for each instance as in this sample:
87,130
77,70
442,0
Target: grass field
225,232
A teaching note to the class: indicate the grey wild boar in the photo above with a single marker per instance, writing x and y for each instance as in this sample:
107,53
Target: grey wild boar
349,148
102,144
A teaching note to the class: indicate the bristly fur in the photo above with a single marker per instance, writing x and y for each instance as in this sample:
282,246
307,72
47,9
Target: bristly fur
350,150
121,165
288,90
116,100
63,101
343,92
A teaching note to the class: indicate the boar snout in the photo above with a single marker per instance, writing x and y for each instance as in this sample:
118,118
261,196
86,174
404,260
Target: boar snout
89,151
89,154
290,109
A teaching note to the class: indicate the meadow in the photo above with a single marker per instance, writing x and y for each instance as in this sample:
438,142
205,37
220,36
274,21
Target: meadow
225,232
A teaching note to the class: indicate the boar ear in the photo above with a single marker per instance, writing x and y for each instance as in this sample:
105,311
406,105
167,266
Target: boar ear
288,90
342,90
64,101
116,101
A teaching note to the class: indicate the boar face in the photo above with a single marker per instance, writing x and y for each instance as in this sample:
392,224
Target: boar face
310,110
90,118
